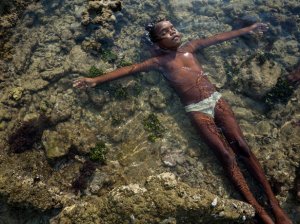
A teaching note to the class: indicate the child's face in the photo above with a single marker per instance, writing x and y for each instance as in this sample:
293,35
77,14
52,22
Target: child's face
168,37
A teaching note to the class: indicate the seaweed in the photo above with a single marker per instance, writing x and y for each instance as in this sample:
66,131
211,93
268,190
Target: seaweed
119,92
137,89
116,120
109,55
262,57
153,125
86,172
98,153
28,133
230,70
280,93
94,72
124,63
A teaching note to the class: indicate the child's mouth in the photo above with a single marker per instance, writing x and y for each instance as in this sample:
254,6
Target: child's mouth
176,37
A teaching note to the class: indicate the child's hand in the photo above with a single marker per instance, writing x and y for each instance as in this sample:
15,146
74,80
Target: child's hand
259,28
82,83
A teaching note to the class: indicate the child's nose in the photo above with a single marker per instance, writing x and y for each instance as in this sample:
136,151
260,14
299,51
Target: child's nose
172,32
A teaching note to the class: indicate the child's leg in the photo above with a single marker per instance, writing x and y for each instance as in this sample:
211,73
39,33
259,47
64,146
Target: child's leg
213,138
226,121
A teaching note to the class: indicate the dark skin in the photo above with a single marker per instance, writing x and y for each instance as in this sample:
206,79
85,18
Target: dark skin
186,76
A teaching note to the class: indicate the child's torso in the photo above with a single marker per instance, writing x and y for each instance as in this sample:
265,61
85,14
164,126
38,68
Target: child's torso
186,76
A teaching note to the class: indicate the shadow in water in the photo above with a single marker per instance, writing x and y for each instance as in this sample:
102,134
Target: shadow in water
17,214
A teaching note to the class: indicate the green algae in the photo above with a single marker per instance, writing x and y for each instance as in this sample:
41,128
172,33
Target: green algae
116,120
153,125
109,56
119,92
230,70
137,89
98,153
94,72
124,63
280,93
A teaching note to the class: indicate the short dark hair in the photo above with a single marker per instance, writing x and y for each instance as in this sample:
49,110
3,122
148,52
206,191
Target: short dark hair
150,28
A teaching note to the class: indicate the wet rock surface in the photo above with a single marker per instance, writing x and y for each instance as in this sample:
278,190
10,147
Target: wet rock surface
160,198
55,42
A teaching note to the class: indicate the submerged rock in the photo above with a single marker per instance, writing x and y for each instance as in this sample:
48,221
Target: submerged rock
58,142
102,11
257,79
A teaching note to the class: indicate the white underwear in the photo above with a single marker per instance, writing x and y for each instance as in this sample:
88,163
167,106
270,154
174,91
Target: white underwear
206,106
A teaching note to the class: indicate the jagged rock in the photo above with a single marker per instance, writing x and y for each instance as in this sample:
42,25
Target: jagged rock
157,99
16,93
58,142
62,107
5,114
98,98
103,10
26,191
77,60
173,200
288,47
256,80
35,85
53,75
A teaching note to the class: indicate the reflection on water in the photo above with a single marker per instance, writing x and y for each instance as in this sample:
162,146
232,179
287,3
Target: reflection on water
57,41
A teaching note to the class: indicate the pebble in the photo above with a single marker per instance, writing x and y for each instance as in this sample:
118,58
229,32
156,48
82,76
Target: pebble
214,202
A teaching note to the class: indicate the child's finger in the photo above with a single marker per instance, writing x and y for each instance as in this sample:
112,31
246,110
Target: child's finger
78,84
78,80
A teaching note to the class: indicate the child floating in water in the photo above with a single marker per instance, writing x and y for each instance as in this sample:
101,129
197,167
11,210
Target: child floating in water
208,111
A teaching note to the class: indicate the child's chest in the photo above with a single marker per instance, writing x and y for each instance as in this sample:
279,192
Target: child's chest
182,59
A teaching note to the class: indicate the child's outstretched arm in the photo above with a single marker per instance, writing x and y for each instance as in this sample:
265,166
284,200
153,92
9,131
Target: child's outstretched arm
218,38
118,73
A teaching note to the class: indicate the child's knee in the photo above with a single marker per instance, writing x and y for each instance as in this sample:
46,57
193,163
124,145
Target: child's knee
242,148
228,158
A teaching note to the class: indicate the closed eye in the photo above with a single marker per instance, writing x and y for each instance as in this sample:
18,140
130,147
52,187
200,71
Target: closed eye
163,32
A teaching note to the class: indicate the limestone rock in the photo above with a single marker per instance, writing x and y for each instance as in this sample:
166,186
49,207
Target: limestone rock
157,99
35,85
58,142
5,114
16,93
103,10
256,80
170,197
62,108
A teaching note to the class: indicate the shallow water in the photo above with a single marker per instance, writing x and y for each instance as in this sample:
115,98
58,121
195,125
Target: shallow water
49,48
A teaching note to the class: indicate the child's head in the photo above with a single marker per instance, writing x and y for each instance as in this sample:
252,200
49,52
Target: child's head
163,33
